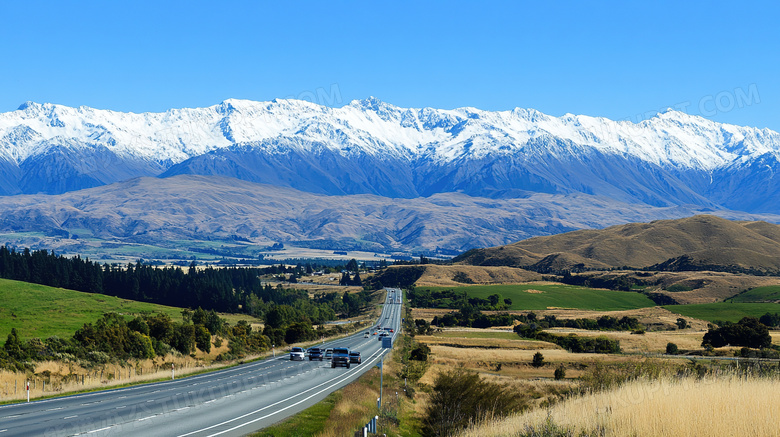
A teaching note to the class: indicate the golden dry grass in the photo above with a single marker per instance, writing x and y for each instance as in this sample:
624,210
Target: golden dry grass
729,406
650,342
710,286
56,377
485,343
441,276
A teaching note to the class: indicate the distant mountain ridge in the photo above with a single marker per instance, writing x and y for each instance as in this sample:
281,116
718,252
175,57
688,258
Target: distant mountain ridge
371,147
183,208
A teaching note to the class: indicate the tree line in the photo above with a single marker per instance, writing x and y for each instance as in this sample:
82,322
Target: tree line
229,289
427,298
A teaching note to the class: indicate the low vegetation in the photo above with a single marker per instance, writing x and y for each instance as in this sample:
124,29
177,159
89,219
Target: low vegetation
39,311
662,407
759,294
724,311
533,296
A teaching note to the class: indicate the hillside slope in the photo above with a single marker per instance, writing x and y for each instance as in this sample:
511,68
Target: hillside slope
702,240
163,211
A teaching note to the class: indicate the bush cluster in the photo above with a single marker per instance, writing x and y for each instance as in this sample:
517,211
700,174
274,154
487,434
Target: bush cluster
571,342
748,332
460,398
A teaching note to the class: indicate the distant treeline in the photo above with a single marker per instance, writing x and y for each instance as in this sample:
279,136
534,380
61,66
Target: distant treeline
470,317
426,298
224,289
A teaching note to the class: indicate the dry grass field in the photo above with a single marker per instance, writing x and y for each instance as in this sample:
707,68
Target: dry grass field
727,406
442,276
708,286
56,377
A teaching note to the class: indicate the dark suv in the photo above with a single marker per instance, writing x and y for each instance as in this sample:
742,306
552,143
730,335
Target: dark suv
316,353
340,357
354,357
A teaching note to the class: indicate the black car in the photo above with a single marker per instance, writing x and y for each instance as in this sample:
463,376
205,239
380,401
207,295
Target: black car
316,353
354,357
340,357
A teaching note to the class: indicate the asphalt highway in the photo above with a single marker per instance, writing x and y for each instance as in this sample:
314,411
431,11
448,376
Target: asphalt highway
230,402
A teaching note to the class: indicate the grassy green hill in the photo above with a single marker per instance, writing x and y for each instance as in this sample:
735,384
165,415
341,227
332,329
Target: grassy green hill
726,311
41,311
769,293
543,296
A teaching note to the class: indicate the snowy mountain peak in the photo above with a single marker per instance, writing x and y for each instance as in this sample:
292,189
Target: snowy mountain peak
51,148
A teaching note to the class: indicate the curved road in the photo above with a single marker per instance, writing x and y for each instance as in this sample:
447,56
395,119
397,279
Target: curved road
230,402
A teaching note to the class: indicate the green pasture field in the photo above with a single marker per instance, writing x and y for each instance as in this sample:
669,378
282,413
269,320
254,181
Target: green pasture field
38,311
725,311
770,293
546,296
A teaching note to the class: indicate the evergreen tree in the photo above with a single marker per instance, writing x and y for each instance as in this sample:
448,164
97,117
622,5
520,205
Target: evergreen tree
13,346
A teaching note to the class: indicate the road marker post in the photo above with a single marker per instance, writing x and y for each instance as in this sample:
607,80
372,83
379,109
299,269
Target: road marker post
28,391
172,372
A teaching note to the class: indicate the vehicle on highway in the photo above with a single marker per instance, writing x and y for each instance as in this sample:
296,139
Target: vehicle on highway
296,353
340,357
354,357
328,353
315,353
367,334
383,334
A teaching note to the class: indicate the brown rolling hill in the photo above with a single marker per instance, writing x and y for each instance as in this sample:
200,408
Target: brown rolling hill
701,242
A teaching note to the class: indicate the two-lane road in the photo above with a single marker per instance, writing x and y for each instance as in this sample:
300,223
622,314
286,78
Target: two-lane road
230,402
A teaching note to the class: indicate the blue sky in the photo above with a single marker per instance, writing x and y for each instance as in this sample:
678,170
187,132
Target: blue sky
622,60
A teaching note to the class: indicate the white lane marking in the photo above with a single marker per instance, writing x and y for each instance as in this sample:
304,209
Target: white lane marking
70,417
119,408
341,377
55,409
98,430
145,418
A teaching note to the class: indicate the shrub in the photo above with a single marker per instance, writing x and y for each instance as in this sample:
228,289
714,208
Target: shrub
538,360
460,398
560,372
202,338
671,349
769,319
420,352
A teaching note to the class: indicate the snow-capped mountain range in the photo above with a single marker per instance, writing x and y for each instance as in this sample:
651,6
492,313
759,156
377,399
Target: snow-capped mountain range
371,147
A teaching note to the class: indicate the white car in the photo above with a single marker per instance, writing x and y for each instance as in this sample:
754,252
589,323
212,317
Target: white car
297,353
